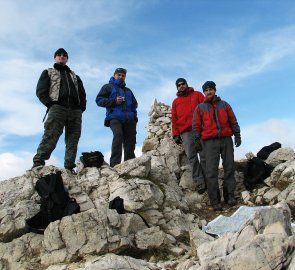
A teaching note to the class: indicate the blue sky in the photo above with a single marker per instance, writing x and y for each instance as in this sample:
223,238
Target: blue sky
246,47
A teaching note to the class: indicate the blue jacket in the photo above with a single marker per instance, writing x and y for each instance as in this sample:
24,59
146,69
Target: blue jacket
107,98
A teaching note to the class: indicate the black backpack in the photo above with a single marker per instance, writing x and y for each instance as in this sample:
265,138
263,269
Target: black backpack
265,151
118,204
55,202
255,172
92,159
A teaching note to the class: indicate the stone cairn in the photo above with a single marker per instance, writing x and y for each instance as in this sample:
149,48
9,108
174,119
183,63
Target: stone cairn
159,126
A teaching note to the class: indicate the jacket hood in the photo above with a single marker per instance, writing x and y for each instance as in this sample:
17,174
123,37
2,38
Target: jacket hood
119,83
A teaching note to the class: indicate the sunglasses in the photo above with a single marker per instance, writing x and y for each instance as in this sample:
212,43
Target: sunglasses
180,84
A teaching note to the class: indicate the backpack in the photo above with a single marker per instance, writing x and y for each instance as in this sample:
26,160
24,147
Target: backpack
118,204
92,159
265,151
55,203
255,172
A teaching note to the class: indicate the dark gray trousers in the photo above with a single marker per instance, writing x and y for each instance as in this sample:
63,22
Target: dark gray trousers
214,148
188,143
59,118
124,134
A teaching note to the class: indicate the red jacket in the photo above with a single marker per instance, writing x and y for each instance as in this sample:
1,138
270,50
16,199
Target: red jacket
214,119
182,110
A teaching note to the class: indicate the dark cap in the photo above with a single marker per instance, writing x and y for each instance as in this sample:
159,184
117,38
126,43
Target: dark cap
209,84
120,70
61,50
180,80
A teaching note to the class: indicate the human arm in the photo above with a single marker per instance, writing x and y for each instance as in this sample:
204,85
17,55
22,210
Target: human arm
82,94
134,105
42,89
174,118
103,98
235,126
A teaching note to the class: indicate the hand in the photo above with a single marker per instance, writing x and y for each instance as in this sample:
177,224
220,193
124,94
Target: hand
238,140
120,100
198,145
177,139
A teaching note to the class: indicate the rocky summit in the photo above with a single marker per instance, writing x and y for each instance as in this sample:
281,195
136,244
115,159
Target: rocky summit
163,227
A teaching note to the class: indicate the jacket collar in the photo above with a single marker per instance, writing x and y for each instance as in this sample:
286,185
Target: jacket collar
212,100
185,93
61,67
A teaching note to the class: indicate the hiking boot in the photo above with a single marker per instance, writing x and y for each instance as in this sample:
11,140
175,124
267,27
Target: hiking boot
232,202
217,207
201,188
37,164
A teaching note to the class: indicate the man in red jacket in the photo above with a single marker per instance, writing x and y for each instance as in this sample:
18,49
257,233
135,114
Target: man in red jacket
215,123
182,113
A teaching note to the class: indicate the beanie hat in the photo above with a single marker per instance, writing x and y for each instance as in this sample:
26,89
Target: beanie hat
120,70
61,50
210,84
180,80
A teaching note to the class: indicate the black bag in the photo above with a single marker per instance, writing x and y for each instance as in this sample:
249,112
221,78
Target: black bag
118,204
265,151
256,171
92,159
55,202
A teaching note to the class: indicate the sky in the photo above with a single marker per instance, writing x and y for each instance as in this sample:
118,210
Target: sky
246,47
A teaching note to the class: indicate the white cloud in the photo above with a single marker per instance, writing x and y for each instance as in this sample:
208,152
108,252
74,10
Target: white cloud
20,110
16,164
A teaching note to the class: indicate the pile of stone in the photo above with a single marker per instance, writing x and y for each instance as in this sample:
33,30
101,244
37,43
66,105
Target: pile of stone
158,187
159,126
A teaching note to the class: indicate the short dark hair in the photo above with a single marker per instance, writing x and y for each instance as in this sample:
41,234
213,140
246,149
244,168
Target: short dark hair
120,70
180,80
210,84
61,50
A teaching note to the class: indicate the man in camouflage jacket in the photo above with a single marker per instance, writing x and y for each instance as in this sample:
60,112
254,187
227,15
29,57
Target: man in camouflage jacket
63,93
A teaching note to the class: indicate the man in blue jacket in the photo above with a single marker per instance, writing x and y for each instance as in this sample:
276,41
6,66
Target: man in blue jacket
121,115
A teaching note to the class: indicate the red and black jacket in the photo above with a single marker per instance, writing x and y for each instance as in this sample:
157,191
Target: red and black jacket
213,119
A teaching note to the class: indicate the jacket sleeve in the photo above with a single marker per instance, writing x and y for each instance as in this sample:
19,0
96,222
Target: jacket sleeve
134,104
103,97
42,89
82,94
197,123
175,130
232,120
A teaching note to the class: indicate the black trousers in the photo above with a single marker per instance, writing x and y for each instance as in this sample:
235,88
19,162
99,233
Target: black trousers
124,135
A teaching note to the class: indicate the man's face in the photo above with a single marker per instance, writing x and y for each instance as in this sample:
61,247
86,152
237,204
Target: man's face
61,59
209,92
120,76
181,86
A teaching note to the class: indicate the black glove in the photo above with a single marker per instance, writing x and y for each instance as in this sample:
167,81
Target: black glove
238,140
177,139
198,145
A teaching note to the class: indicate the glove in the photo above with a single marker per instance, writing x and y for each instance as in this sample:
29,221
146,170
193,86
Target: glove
238,140
177,139
198,145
